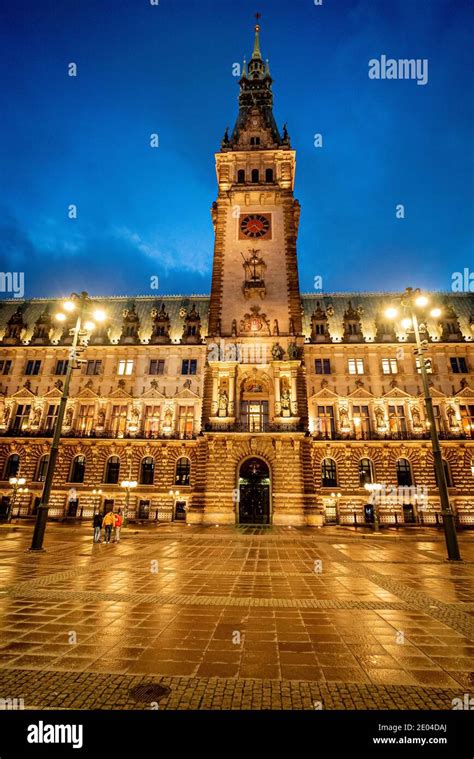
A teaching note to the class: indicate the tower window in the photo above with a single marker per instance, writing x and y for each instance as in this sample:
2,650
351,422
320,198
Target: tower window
255,140
268,175
241,176
255,175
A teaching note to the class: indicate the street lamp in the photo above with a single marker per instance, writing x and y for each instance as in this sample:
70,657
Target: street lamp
410,300
16,483
128,485
373,488
82,305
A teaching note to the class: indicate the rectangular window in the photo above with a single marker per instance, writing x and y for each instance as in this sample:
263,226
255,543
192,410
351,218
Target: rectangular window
157,366
33,366
118,420
94,367
5,366
189,366
459,365
21,418
397,420
185,421
86,419
125,366
325,421
51,417
355,365
467,420
254,415
61,366
152,421
361,419
322,366
389,366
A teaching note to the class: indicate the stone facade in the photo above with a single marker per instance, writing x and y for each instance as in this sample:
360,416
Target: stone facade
311,396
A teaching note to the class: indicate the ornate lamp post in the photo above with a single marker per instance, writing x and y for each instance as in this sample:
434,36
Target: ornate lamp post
16,483
128,485
82,305
410,301
97,493
174,494
373,488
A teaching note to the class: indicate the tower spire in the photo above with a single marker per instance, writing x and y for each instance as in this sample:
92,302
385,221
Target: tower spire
256,65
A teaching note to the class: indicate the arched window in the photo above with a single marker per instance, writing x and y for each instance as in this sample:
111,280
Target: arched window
241,176
366,471
328,473
183,471
78,469
12,466
255,175
41,469
147,471
112,470
447,474
404,475
268,175
255,140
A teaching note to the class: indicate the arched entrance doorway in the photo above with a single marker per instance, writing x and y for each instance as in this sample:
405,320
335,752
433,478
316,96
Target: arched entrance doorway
254,492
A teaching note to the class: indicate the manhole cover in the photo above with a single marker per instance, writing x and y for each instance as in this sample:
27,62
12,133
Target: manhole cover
150,692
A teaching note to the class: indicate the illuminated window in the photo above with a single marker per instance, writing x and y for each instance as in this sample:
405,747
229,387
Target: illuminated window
389,366
355,365
125,367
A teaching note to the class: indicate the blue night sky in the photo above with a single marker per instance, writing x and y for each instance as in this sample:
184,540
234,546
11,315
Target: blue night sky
168,69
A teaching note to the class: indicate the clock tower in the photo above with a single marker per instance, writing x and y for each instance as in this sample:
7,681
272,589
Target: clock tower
255,216
254,400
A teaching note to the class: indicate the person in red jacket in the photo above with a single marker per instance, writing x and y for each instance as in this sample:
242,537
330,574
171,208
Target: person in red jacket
118,522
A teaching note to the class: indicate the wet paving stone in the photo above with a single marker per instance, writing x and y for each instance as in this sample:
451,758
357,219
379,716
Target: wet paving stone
237,618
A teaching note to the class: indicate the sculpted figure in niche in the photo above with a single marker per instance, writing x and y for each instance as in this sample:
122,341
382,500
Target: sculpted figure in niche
168,418
69,415
343,418
416,417
223,403
379,417
451,414
285,399
277,352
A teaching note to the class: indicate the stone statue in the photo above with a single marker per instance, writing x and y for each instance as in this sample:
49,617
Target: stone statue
451,414
276,329
6,415
223,403
285,401
379,417
343,418
69,415
416,418
292,351
234,328
168,418
277,352
101,418
37,417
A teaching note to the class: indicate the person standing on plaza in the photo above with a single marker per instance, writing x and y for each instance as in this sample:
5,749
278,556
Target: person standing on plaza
107,523
117,524
97,524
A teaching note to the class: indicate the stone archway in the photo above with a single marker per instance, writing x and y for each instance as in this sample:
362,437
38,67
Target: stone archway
254,492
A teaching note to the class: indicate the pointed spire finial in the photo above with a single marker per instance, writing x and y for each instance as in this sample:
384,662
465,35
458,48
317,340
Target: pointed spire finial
256,47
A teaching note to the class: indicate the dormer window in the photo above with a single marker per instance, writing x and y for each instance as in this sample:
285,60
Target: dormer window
255,140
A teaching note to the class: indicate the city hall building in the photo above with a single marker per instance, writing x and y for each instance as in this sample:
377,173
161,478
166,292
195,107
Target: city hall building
256,404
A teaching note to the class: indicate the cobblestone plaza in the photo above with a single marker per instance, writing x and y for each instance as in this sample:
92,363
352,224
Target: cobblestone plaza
236,618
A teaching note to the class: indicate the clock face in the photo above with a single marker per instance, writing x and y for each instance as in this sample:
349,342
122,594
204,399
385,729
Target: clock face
255,226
